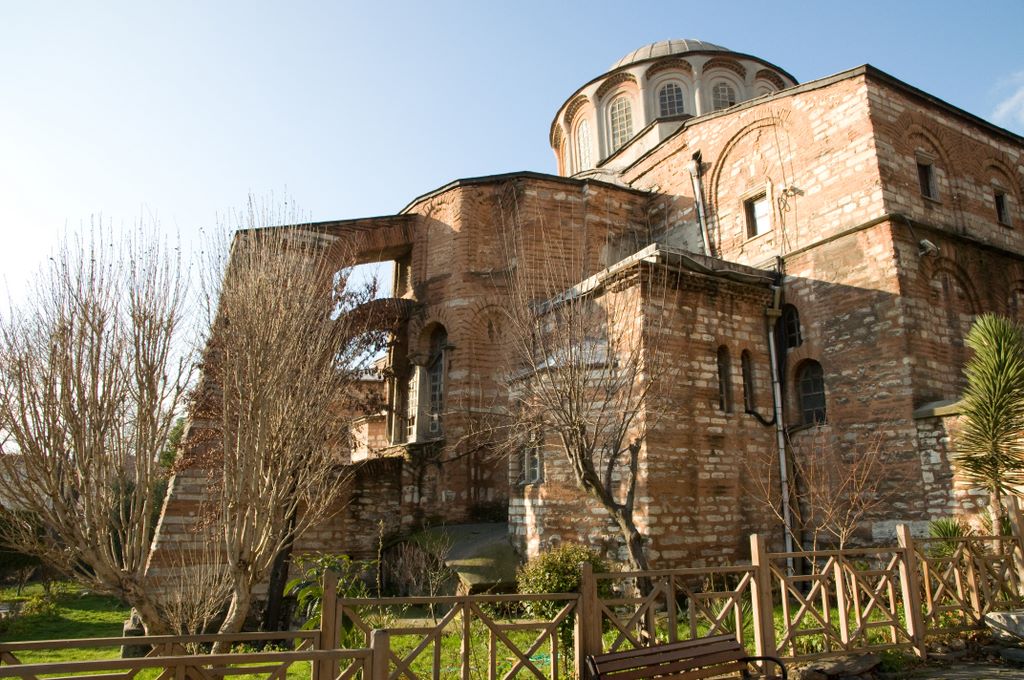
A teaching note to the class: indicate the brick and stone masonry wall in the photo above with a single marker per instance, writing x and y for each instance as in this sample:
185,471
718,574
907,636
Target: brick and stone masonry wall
694,502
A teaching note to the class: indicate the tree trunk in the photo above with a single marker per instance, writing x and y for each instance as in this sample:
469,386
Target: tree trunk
995,508
152,621
634,548
238,610
275,588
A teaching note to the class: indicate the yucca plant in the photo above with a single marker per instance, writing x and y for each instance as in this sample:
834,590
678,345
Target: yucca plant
948,529
989,449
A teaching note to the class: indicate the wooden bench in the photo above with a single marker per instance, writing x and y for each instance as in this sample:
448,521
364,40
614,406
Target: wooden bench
708,657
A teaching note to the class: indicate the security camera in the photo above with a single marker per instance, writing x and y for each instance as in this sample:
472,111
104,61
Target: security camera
927,248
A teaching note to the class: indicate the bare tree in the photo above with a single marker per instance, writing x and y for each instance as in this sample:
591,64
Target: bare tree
201,588
91,378
583,356
835,488
289,336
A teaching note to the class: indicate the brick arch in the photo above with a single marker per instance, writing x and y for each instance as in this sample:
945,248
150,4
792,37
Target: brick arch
574,106
909,123
1003,166
672,64
556,138
480,313
771,77
727,64
421,326
936,268
715,177
933,140
1013,304
610,84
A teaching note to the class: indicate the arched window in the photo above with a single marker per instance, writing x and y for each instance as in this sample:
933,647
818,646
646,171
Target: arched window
810,385
723,95
670,100
583,146
791,335
621,116
748,381
724,380
435,377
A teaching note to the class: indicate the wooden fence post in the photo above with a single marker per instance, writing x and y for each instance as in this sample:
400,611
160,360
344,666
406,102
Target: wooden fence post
761,598
1017,524
380,651
910,586
587,635
328,639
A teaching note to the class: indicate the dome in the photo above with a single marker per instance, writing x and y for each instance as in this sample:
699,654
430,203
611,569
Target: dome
664,48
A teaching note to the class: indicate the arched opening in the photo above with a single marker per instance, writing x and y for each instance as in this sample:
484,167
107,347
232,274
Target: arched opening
723,95
670,100
620,114
810,385
792,337
724,380
583,158
436,373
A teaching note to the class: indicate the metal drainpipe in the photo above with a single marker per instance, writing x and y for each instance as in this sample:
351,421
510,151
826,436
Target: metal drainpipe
773,313
696,173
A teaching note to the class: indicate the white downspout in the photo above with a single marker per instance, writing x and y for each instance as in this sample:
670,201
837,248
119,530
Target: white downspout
773,313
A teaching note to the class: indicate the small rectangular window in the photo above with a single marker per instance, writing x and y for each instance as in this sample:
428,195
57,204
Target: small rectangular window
1002,213
759,215
532,465
926,177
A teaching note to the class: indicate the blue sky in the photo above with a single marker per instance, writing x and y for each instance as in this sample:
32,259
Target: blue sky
175,111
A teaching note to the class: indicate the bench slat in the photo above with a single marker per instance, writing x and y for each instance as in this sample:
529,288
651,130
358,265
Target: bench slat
673,646
710,657
658,656
663,672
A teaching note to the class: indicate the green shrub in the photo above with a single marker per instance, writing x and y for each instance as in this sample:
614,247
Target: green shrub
558,571
308,587
947,528
40,605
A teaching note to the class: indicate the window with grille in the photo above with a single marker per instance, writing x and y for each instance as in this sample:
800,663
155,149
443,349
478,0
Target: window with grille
723,95
532,463
810,381
583,146
435,377
792,337
621,115
670,100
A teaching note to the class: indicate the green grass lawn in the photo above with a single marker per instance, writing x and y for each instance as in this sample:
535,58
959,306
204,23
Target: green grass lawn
81,614
78,614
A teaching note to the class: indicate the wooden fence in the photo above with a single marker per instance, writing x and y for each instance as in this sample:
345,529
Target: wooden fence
178,657
492,636
834,602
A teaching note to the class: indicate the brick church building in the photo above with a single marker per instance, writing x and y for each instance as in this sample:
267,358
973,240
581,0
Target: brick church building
829,244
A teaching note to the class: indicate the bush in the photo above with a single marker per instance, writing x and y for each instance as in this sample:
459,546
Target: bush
40,605
558,571
308,587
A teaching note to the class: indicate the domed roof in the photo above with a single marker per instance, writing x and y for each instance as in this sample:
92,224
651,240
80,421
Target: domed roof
663,48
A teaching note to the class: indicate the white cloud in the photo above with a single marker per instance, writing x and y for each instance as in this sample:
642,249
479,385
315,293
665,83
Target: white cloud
1009,112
